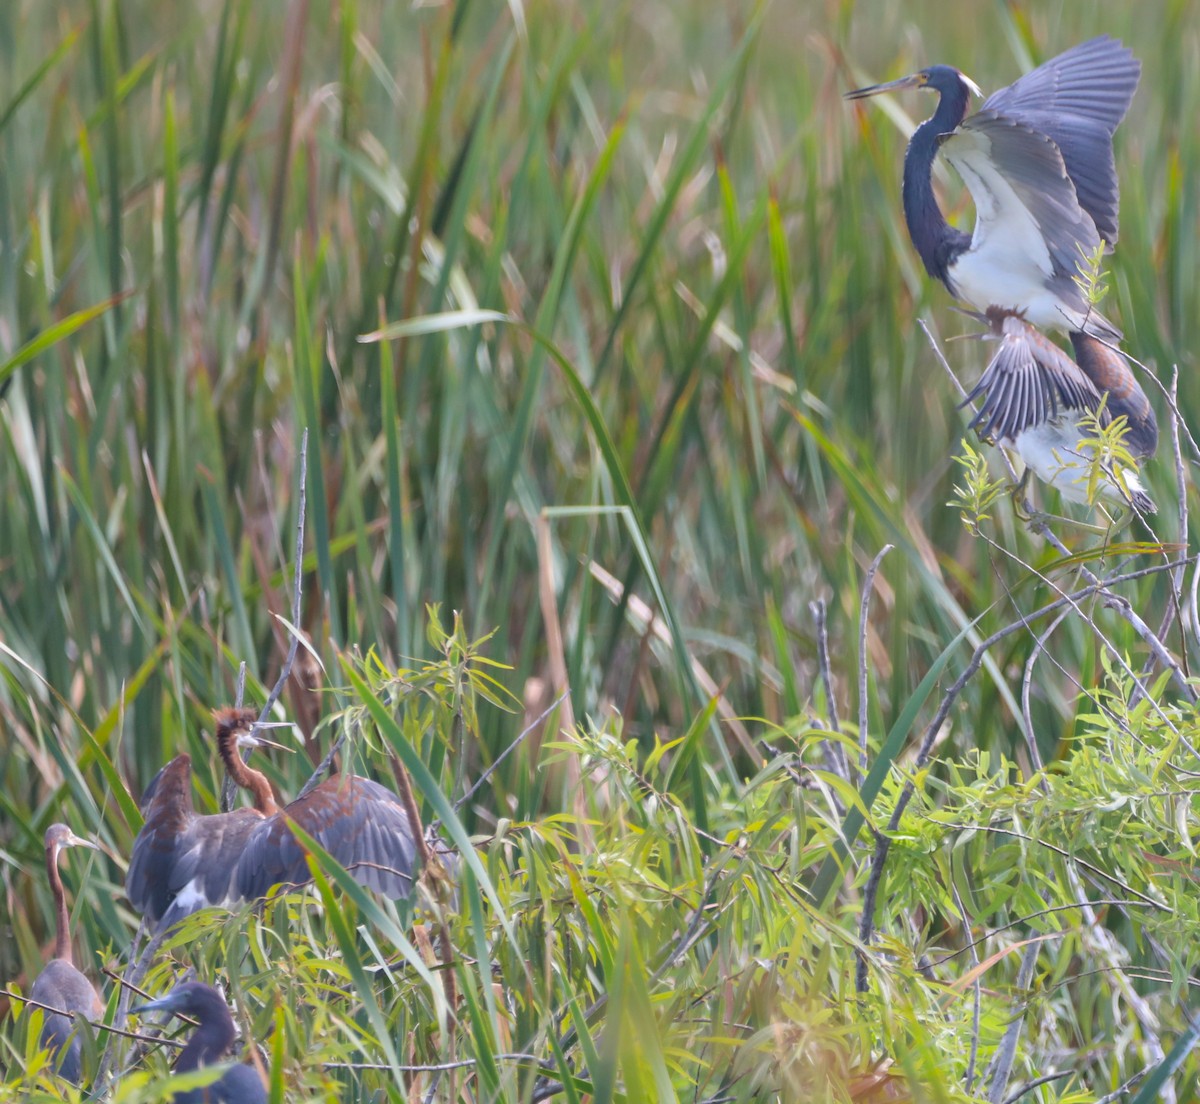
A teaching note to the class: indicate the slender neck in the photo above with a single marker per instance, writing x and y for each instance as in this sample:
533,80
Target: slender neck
937,242
210,1041
62,936
254,782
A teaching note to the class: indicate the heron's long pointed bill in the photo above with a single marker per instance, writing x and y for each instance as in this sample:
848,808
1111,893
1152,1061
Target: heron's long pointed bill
913,81
79,841
262,741
162,1004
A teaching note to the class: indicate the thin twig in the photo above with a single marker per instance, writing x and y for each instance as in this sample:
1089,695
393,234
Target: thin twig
404,789
297,582
425,854
835,753
863,610
1181,494
1045,1079
1001,1066
1039,644
1024,920
976,989
556,658
1118,656
1063,853
1104,945
229,787
1155,381
110,973
1126,612
941,357
531,727
323,766
136,969
817,609
1123,1089
699,924
1194,604
462,1063
96,1025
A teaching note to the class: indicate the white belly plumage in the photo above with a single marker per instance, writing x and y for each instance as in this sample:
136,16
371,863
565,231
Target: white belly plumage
1053,452
1018,286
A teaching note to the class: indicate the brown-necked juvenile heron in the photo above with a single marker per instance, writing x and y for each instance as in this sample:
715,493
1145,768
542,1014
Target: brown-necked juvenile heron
183,862
359,822
60,985
1038,161
1034,397
208,1045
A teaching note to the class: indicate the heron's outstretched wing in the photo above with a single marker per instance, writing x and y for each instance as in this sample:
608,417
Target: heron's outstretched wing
181,862
1029,381
1077,100
1026,209
205,857
167,806
1024,199
360,823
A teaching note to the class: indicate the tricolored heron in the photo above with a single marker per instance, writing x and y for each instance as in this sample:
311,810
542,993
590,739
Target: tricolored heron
1034,396
1038,161
60,985
209,1044
183,861
359,822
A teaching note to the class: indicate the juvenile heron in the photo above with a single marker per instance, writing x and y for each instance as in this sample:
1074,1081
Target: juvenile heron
1038,161
208,1045
183,861
1034,396
359,822
60,985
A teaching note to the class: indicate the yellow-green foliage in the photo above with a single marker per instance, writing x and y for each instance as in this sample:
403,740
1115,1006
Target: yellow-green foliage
602,322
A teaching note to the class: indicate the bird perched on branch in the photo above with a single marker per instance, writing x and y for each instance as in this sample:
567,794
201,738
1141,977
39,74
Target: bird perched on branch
208,1045
60,985
1037,159
1035,397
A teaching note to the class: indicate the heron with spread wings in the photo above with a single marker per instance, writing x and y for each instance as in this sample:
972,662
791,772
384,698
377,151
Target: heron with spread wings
1035,398
1037,159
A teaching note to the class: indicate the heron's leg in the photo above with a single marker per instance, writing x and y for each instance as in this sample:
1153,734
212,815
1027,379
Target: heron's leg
1117,521
1085,526
1017,492
1032,517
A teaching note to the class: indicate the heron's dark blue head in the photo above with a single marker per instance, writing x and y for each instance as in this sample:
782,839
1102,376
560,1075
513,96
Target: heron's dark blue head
948,81
191,998
945,79
935,239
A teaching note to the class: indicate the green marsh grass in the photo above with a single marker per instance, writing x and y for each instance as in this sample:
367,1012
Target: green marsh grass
638,271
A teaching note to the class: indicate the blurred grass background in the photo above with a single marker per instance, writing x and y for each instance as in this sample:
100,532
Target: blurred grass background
720,304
